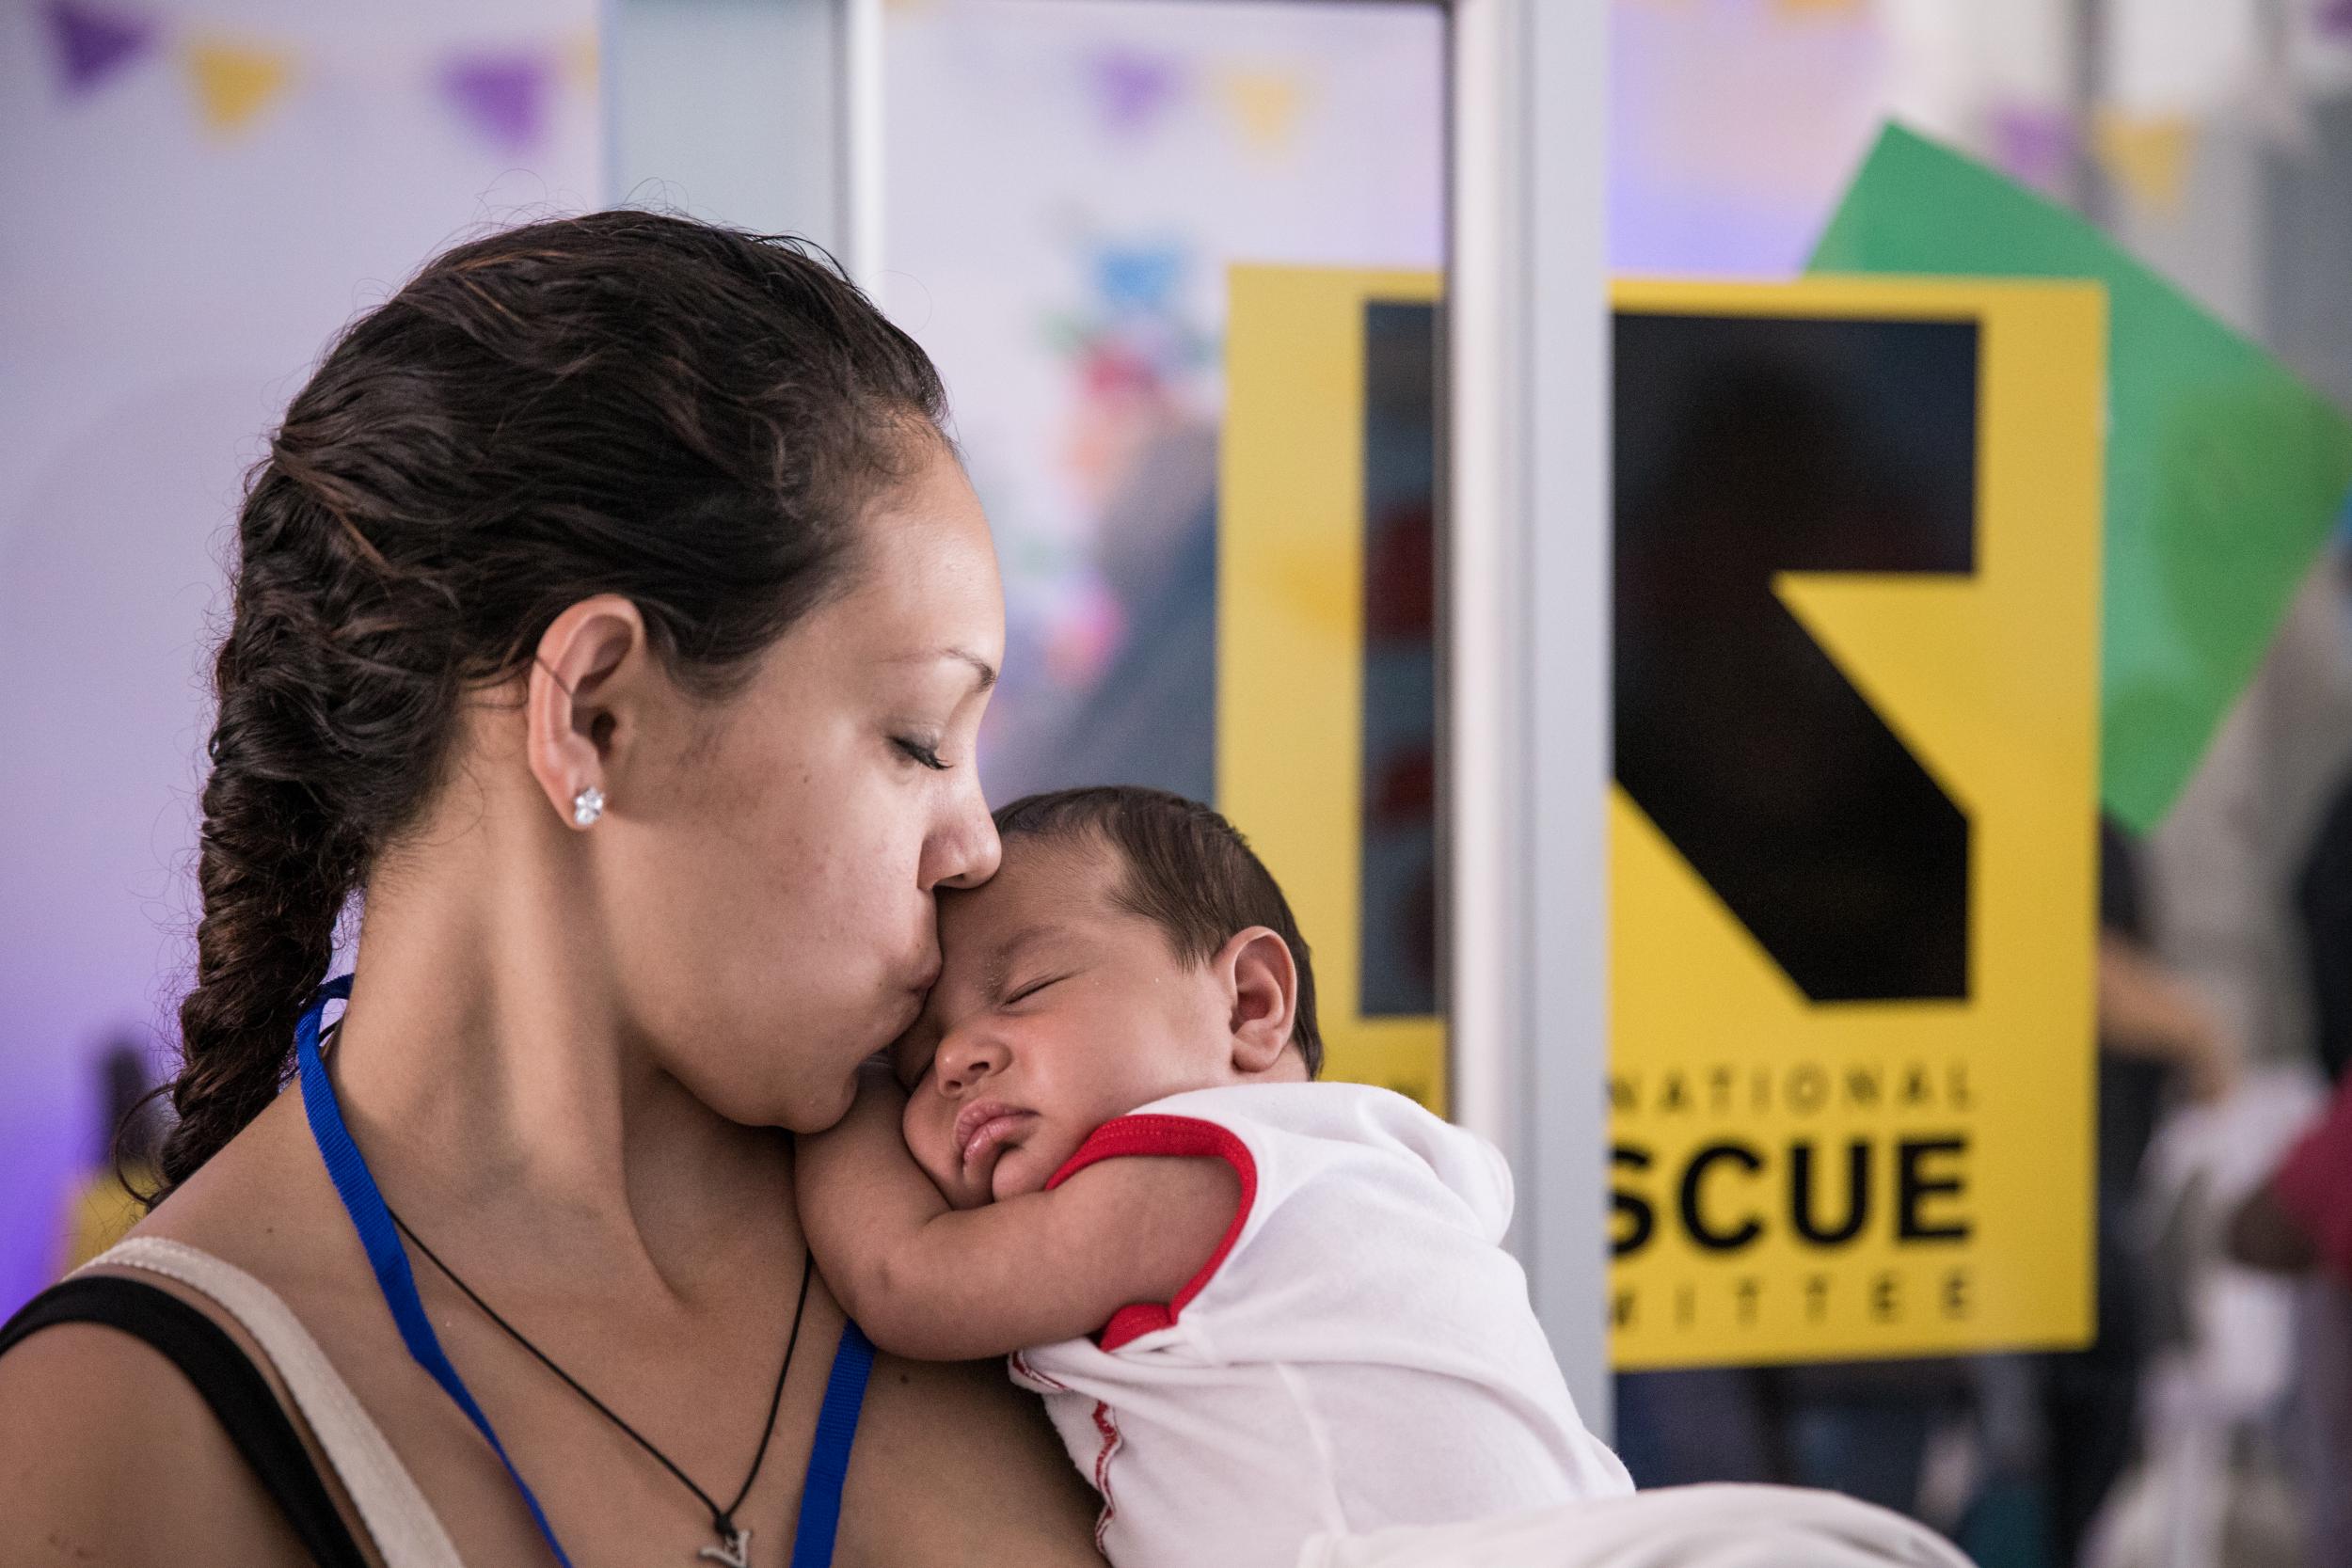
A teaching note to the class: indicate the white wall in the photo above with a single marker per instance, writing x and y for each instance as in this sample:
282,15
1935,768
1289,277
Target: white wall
163,293
703,92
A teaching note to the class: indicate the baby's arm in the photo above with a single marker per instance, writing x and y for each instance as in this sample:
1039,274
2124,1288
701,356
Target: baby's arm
940,1284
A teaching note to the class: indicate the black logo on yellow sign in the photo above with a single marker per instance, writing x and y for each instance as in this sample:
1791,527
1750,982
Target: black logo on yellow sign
1747,448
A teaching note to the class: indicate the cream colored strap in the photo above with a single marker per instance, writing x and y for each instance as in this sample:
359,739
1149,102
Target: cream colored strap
397,1518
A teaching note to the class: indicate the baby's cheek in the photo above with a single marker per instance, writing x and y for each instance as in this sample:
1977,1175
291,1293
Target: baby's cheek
923,1140
1028,1167
928,1136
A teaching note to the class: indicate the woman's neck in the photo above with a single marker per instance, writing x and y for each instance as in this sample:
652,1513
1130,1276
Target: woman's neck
501,1095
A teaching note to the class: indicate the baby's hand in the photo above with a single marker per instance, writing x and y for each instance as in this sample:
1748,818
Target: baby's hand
858,1187
934,1282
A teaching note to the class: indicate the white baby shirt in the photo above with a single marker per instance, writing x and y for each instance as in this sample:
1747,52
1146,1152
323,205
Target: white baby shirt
1359,1354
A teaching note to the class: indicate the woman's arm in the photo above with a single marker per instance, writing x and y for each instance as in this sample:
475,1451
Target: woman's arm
110,1456
945,1284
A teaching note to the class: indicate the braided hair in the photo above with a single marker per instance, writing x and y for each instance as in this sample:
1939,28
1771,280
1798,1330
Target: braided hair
622,403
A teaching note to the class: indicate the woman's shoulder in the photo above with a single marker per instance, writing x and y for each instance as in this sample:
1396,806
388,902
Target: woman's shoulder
266,1207
950,1455
108,1449
109,1454
262,1190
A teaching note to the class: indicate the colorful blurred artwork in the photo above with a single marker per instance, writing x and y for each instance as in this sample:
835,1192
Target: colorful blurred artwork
1069,181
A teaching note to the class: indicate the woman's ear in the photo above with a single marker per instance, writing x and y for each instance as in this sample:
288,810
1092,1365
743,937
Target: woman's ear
1261,979
579,713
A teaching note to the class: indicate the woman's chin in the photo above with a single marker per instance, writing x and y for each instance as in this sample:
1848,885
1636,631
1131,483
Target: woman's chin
810,1106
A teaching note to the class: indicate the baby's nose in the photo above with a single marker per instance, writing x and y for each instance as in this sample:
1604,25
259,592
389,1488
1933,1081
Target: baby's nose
965,1063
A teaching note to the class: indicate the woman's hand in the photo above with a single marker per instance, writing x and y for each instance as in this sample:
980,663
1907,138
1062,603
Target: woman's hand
2147,1011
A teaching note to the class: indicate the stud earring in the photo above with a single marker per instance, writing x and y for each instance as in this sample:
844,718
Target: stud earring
587,806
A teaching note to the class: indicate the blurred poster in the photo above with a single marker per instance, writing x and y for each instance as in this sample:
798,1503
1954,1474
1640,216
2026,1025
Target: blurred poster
1067,182
1852,840
1325,647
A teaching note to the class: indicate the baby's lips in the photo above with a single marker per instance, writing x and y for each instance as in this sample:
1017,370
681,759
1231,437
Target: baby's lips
980,1121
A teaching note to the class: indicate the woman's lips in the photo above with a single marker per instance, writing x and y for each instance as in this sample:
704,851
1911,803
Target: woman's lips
982,1127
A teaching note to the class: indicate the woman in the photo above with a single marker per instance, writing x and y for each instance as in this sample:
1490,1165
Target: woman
614,613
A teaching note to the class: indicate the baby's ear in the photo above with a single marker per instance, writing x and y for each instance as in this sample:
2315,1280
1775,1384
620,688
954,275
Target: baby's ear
1261,981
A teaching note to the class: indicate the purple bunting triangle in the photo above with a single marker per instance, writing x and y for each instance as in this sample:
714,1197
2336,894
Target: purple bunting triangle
2335,18
2034,145
1131,88
92,44
502,96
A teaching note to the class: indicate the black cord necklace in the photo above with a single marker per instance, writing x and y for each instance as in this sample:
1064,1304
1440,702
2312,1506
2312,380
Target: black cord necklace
734,1541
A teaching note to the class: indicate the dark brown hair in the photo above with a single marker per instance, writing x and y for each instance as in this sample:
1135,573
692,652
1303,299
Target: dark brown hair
623,402
1188,871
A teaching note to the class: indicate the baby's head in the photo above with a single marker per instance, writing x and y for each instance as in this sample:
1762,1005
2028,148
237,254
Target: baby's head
1130,947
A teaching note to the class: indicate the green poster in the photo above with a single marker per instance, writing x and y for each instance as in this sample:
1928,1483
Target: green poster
2224,472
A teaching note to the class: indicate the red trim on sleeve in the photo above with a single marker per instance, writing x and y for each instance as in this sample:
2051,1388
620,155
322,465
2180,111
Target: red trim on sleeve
1166,1137
2313,1183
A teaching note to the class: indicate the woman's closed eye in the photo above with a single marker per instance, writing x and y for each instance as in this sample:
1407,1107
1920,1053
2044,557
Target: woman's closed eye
924,751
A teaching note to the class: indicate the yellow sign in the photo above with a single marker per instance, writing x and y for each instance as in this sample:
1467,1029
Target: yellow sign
1290,594
1854,836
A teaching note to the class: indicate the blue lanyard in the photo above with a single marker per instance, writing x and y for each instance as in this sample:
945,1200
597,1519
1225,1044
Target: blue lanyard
845,1389
364,1202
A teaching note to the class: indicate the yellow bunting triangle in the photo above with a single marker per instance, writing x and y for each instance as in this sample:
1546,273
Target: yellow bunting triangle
1266,103
581,61
2148,155
235,82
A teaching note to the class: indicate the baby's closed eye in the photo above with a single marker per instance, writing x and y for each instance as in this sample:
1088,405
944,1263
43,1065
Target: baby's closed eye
1030,988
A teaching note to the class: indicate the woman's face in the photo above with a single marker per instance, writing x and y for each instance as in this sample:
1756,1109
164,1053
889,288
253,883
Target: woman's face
778,926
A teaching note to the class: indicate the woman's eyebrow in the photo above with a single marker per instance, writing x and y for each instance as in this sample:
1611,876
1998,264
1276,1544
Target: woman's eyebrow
981,667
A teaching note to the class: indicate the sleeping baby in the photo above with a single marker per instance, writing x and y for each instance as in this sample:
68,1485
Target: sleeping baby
1259,1308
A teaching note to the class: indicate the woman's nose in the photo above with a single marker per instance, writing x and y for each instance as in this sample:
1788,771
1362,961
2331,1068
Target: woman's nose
963,1064
965,852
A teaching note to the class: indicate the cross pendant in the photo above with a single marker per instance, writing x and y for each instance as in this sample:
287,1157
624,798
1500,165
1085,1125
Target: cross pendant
735,1548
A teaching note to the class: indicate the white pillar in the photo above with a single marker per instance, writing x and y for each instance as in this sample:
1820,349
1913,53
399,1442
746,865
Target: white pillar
735,110
1528,606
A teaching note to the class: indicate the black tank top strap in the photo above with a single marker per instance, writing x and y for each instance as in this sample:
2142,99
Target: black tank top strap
240,1397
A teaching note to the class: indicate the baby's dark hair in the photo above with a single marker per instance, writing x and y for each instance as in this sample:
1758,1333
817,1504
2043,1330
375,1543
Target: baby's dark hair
1189,872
